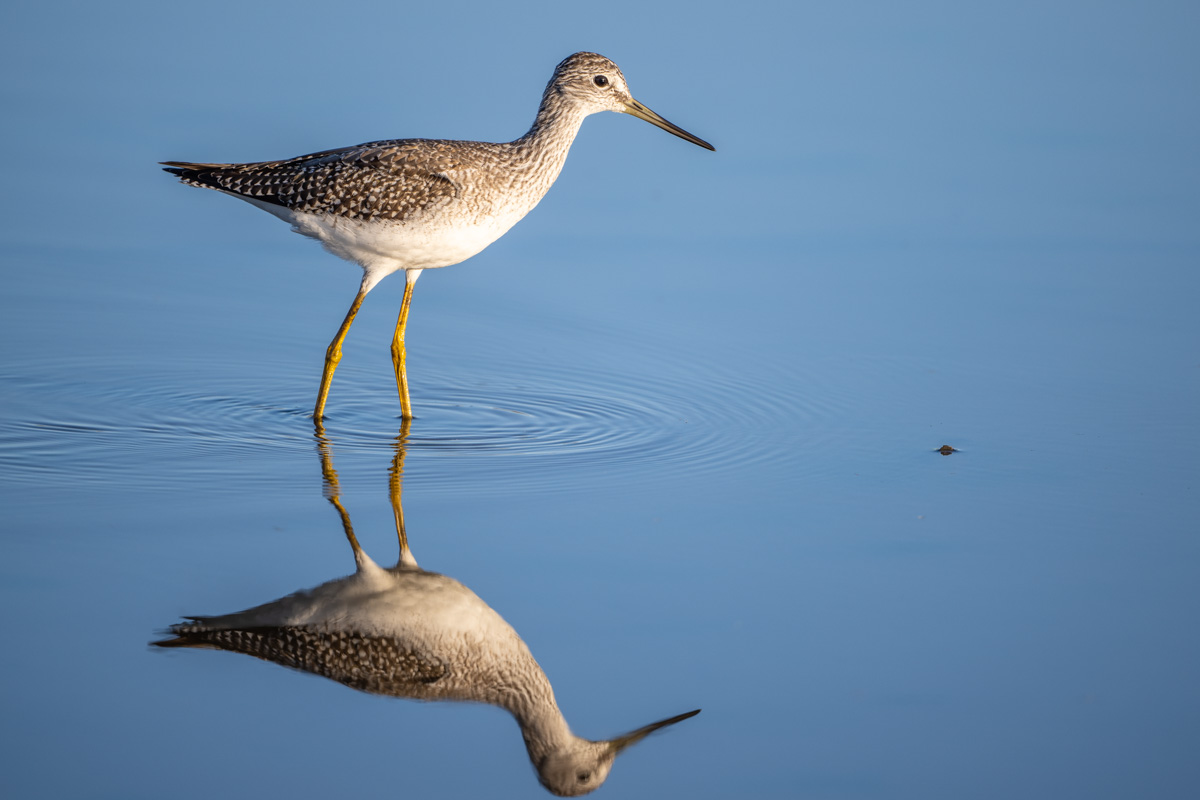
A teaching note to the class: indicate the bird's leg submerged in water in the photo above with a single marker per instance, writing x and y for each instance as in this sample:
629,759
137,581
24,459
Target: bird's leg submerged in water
333,354
398,352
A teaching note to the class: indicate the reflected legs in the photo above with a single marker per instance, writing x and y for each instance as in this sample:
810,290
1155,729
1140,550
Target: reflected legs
395,477
333,493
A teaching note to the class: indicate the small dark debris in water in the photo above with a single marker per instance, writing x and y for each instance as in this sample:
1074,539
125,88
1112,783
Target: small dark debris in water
945,450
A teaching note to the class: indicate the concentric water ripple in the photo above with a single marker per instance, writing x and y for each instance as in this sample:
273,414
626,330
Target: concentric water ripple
536,427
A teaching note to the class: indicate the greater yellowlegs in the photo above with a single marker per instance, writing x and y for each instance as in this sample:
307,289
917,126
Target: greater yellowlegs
416,204
406,632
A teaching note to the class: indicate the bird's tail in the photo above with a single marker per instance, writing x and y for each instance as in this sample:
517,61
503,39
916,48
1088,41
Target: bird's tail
193,633
196,174
180,167
178,641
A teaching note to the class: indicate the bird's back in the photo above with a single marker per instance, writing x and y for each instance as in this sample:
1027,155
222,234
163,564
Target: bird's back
388,205
375,664
403,633
395,179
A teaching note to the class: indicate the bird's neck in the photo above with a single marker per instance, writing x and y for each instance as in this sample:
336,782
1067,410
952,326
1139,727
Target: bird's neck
544,148
532,704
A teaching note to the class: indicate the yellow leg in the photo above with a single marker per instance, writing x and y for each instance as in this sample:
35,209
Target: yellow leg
333,354
395,477
333,493
398,352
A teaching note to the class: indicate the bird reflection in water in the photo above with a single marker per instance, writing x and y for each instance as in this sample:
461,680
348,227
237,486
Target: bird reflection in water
406,632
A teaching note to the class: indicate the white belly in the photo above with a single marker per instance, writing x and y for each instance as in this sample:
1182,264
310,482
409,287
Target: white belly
382,247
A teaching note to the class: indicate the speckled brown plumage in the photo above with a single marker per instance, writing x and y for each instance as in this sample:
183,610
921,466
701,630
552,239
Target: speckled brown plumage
392,180
379,665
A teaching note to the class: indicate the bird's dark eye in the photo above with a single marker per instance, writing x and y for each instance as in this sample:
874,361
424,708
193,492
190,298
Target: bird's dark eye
584,777
600,80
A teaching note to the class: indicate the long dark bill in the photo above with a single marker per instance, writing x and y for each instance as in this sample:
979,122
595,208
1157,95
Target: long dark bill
636,109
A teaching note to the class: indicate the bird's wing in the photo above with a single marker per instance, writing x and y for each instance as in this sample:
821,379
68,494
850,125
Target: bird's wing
394,179
380,665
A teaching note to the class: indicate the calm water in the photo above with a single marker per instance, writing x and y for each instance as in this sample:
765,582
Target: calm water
687,453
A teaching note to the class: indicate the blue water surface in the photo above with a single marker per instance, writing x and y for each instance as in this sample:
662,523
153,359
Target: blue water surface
679,427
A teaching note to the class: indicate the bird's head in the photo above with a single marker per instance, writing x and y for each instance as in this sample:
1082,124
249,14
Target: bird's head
583,765
597,84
